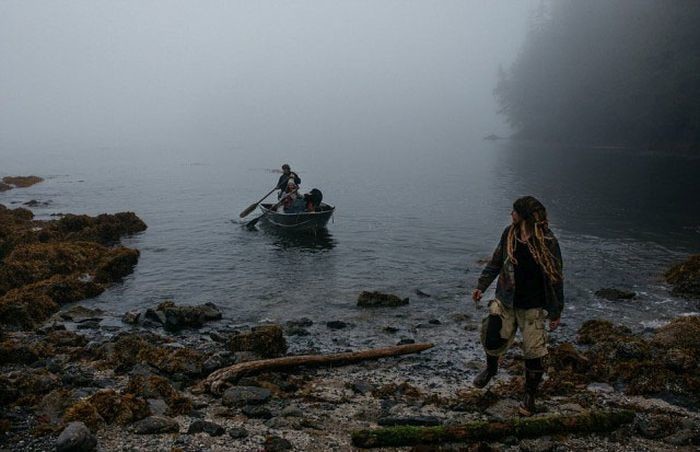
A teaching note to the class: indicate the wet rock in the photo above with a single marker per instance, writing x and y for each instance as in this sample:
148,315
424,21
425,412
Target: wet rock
158,407
434,322
292,411
131,349
155,316
680,333
685,437
685,277
257,412
177,318
76,437
5,187
613,294
336,324
422,293
156,424
680,360
108,407
266,341
119,263
131,317
78,376
303,322
245,395
22,181
409,420
600,388
209,428
89,325
594,331
544,444
66,339
406,341
503,409
653,426
157,387
237,432
379,299
276,444
277,423
297,331
390,329
362,387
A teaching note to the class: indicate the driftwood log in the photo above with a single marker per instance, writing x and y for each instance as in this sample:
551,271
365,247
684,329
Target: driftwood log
217,380
586,422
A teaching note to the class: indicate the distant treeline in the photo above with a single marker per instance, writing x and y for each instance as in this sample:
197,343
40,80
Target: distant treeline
608,72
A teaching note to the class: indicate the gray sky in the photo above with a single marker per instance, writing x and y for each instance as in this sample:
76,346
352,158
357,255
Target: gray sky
240,74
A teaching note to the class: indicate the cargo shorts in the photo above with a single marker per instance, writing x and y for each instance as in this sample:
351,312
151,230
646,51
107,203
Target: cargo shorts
499,327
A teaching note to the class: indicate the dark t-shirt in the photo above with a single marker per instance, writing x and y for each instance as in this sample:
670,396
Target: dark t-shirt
529,280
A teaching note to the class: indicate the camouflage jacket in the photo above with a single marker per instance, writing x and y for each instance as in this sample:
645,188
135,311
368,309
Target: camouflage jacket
502,267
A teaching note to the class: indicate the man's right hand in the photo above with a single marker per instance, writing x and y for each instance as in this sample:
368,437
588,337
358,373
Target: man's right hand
476,295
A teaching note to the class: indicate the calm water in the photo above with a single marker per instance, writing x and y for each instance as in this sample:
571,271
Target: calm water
401,224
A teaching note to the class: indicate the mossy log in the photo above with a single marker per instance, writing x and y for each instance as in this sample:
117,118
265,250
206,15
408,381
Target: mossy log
587,422
217,380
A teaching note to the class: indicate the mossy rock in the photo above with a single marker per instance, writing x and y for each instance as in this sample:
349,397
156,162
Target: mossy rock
682,332
131,349
685,277
266,341
108,407
117,264
157,387
22,181
21,350
594,331
23,308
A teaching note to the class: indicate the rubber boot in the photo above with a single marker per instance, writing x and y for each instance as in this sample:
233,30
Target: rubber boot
485,375
533,377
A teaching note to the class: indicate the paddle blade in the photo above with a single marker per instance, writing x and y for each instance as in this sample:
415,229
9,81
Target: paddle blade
251,224
247,211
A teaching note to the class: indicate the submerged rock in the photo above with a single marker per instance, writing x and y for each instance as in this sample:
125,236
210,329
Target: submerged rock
380,300
613,294
685,277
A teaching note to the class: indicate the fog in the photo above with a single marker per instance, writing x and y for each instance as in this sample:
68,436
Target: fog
223,76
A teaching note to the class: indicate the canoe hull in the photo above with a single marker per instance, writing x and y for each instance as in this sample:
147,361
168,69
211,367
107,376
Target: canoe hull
299,221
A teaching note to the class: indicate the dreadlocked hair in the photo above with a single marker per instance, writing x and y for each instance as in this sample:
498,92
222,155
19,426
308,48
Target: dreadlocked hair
534,214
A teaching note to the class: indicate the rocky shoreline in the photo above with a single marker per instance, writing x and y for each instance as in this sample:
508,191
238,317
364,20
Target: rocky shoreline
68,382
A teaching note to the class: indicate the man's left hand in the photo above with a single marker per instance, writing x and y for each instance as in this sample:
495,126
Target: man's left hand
554,324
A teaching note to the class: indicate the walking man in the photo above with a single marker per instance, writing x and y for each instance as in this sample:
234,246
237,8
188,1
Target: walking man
528,264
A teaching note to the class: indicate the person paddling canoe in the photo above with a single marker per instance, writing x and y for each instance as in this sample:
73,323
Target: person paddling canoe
283,182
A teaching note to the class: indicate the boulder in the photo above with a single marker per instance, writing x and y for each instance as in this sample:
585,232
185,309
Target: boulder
179,317
380,300
209,428
685,277
245,395
155,425
266,341
76,437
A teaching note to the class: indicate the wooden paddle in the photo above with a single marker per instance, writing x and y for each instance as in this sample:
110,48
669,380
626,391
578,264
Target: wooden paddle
254,206
254,221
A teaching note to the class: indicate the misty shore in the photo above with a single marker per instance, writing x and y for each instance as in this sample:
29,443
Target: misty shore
135,385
